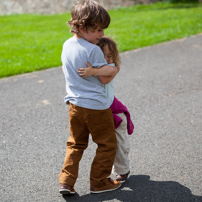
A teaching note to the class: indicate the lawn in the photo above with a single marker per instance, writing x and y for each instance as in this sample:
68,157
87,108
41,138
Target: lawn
34,42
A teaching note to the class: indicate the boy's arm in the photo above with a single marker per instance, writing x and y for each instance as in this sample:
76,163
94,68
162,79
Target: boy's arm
105,73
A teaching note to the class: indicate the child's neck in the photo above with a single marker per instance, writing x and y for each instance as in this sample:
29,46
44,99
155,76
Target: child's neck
77,36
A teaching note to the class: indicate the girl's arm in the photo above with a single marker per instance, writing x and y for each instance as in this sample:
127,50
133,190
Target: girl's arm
105,73
107,79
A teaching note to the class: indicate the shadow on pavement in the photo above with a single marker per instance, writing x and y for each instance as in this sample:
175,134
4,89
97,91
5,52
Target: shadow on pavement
139,188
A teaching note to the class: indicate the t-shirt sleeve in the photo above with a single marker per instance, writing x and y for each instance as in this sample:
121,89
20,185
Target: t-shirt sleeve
96,58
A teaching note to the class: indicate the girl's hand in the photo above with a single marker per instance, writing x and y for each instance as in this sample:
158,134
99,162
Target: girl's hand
85,72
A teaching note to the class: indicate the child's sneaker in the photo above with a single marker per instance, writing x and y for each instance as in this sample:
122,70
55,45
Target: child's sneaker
122,178
66,189
109,185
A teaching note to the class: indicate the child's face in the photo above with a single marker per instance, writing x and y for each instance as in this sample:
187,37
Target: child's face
108,54
92,36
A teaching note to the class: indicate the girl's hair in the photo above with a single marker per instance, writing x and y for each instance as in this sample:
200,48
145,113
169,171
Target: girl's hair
88,14
112,47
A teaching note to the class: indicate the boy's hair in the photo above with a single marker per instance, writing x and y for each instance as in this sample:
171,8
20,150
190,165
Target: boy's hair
88,14
112,47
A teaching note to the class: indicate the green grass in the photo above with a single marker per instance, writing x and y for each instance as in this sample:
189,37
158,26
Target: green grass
146,25
34,42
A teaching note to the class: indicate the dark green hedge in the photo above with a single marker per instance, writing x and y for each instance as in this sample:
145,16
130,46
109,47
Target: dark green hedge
184,1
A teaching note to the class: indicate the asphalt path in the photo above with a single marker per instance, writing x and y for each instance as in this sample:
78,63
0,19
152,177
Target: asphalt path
162,87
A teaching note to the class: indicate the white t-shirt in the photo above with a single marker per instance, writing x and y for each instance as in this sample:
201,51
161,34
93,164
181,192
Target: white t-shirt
84,92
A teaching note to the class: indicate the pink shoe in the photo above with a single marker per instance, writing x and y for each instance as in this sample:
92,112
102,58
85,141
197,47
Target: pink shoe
122,178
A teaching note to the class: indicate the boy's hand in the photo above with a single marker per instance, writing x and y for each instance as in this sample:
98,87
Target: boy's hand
85,72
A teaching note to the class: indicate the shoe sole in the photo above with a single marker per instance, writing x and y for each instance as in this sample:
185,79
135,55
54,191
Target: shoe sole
97,192
66,191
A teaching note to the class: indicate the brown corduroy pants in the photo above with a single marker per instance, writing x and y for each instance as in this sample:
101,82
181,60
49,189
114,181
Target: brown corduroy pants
100,124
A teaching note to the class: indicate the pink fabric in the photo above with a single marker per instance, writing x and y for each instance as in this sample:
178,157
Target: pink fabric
118,107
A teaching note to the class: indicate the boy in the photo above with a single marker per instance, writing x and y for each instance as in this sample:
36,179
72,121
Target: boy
89,111
123,123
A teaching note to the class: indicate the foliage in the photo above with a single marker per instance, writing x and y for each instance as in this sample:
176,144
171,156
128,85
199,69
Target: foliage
34,42
182,1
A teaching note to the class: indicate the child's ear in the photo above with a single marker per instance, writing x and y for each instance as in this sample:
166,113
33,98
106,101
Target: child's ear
81,30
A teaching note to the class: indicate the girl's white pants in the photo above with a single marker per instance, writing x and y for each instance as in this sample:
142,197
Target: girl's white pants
121,162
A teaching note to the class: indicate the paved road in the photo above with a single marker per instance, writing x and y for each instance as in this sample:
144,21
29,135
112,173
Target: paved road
162,87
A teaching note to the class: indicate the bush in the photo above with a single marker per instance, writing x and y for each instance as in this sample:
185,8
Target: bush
183,1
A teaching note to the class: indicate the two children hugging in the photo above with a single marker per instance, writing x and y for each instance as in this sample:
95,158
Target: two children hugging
90,108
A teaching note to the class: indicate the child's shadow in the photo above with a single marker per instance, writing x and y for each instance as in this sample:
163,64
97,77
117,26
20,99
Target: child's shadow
139,188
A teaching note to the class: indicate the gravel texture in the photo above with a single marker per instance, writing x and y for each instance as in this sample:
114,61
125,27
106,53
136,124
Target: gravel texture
162,87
